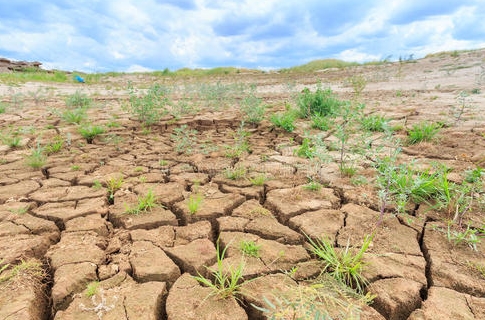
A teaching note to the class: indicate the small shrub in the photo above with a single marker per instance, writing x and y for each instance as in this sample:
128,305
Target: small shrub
252,108
323,102
284,120
423,131
185,139
78,100
11,139
468,236
375,123
151,106
320,122
306,150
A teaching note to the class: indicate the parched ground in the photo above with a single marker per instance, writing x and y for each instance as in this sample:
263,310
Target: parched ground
70,250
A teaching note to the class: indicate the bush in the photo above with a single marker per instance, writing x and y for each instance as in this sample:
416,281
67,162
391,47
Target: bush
151,106
320,103
284,120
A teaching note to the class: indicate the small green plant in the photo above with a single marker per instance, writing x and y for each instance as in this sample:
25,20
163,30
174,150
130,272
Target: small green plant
241,143
284,120
375,123
19,210
475,175
258,180
194,202
89,132
322,102
78,100
92,289
75,167
227,282
344,265
145,204
235,173
11,138
249,248
3,107
185,139
97,185
252,107
150,106
320,122
468,236
306,150
313,186
358,83
74,116
55,146
37,158
113,184
423,131
31,269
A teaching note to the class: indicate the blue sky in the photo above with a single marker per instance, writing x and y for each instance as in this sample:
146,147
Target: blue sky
137,35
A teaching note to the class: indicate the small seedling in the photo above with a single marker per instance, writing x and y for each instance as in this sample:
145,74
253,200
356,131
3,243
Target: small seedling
194,202
468,236
145,204
258,180
97,185
92,289
113,184
20,210
249,248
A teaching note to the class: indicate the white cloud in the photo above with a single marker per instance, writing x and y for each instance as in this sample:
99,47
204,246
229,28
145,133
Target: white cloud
126,35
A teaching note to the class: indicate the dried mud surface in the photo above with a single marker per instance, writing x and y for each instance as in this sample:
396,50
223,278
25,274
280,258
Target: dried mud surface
143,264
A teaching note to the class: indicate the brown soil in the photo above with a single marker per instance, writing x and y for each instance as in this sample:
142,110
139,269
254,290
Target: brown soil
142,265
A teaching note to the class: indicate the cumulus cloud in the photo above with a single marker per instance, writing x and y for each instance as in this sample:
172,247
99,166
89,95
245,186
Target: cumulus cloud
129,35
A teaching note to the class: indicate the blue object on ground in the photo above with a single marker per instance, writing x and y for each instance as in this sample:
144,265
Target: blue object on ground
79,79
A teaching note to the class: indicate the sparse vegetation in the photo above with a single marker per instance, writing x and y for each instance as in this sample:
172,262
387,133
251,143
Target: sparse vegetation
37,158
89,132
423,131
249,248
343,264
227,280
145,204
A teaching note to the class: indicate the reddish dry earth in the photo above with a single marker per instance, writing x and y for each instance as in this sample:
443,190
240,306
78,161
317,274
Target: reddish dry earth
145,263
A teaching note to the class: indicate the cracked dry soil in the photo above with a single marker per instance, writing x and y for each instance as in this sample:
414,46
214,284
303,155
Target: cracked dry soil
94,261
